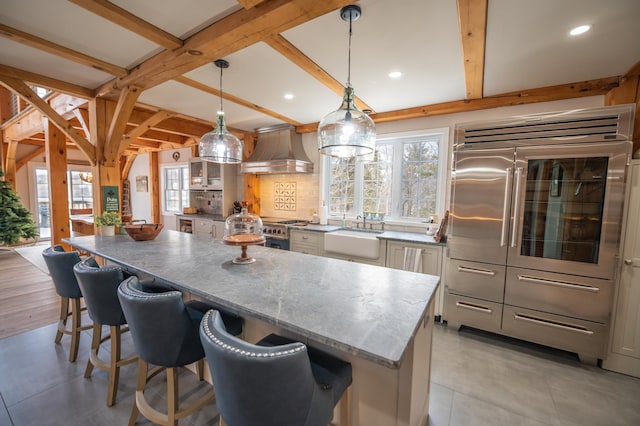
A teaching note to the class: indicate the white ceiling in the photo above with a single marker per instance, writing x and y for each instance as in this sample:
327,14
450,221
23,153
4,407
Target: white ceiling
527,46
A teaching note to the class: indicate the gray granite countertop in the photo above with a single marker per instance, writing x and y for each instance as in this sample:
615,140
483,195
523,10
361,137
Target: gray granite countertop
368,311
206,216
315,227
410,237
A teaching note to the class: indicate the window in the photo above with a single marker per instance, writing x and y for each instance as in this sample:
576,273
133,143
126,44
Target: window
175,182
401,180
80,191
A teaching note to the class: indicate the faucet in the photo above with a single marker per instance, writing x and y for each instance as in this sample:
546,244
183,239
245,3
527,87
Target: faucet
364,222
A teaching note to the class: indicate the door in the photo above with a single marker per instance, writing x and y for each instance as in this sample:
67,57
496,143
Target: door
567,208
626,327
480,209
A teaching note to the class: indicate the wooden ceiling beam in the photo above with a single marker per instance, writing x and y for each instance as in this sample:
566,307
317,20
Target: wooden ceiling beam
228,35
175,125
131,22
248,4
289,51
126,166
24,160
64,52
472,17
544,94
47,82
124,108
24,91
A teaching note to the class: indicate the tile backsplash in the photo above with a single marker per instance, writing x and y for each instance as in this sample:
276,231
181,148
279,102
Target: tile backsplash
291,196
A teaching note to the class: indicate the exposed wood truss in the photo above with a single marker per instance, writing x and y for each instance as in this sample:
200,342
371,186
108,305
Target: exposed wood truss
472,15
124,108
20,88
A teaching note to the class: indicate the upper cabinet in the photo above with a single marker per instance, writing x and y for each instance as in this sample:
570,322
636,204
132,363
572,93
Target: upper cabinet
204,174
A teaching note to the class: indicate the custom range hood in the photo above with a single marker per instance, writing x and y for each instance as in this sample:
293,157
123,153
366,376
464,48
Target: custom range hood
278,150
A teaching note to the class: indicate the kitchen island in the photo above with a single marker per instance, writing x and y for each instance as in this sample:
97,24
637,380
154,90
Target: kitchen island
379,319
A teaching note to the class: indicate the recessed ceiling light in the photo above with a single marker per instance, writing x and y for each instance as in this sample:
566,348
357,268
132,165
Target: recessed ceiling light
288,96
395,74
580,30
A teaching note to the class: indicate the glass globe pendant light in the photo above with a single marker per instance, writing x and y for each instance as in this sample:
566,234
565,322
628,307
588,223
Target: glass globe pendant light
347,132
219,145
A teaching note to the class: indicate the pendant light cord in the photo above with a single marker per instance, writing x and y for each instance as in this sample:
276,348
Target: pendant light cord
221,110
349,56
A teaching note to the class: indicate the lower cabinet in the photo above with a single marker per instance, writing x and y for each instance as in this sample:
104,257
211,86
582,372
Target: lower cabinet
307,242
208,227
431,263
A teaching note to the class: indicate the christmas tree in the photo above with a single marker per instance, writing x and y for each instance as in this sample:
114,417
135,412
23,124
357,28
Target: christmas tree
15,220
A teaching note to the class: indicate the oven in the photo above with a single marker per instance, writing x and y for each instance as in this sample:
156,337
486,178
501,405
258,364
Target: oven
276,231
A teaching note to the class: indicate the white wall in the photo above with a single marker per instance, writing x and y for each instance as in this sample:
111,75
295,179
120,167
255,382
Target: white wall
140,201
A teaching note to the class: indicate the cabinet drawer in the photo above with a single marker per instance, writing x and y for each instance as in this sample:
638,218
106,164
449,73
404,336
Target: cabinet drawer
476,313
567,295
479,280
583,337
302,237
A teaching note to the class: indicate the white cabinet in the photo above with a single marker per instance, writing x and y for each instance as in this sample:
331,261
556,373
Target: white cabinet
624,355
431,263
308,242
204,174
208,228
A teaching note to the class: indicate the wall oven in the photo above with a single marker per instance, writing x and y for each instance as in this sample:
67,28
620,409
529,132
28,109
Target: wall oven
535,225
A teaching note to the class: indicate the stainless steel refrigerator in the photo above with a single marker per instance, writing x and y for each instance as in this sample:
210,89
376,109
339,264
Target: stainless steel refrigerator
535,226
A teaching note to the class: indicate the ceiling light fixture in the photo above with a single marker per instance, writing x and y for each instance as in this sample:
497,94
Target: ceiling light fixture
395,74
347,132
219,145
580,30
288,96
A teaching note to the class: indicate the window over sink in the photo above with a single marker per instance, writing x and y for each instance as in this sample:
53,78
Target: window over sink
402,180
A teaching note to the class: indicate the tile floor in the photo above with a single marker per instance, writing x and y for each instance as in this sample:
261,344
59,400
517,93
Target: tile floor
477,379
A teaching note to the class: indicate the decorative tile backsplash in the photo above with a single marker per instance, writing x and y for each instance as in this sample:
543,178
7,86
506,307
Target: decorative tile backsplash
284,196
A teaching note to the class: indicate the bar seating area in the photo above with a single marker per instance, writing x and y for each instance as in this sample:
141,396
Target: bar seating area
60,264
99,287
274,382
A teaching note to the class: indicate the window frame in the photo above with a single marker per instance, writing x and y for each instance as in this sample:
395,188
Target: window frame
163,190
397,138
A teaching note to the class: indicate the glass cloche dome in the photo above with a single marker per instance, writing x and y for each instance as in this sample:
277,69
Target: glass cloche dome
243,229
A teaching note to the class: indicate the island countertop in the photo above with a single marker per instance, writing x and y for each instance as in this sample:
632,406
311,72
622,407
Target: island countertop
367,311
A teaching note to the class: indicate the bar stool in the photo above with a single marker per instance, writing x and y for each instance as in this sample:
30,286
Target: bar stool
60,265
99,287
165,334
276,382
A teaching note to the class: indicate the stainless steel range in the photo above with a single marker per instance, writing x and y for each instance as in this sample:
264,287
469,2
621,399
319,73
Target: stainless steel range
276,232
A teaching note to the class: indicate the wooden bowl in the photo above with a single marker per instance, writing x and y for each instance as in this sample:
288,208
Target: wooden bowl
144,232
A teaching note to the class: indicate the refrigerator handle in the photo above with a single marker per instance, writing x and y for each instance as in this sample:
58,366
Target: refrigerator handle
505,209
516,211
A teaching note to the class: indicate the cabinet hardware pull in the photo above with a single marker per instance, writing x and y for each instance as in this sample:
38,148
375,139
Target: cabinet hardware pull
516,212
572,286
567,327
304,237
477,271
505,209
628,261
474,307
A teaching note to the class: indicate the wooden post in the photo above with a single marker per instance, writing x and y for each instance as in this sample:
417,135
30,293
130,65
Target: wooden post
56,154
154,186
10,164
100,115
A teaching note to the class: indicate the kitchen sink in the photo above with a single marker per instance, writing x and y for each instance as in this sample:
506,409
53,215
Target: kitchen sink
353,243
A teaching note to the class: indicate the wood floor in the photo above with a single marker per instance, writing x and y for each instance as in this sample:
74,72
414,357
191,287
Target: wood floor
28,299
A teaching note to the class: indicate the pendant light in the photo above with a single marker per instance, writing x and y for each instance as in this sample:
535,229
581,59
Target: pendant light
347,132
219,145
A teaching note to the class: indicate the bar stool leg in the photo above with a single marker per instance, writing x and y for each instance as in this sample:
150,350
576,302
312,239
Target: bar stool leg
75,329
142,381
114,361
222,422
95,346
172,396
64,313
345,408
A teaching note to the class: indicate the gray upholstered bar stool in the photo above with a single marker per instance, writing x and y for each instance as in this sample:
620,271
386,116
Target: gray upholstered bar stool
60,264
276,382
99,287
165,334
